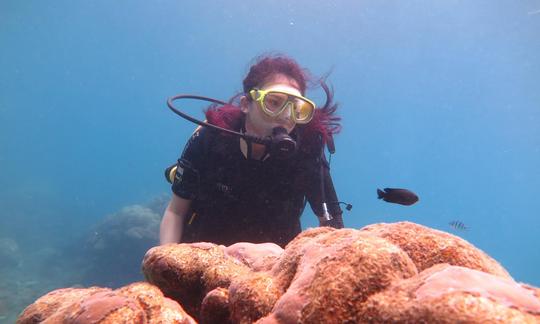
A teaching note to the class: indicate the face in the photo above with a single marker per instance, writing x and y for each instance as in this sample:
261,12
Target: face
260,124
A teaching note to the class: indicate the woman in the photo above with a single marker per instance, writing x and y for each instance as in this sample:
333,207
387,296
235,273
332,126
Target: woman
227,190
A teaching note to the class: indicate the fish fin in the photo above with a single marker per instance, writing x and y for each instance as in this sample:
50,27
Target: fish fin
380,193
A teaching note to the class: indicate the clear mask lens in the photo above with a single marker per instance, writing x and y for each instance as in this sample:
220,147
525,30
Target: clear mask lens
276,102
303,110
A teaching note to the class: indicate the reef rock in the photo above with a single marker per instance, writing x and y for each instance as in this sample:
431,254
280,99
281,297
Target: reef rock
135,303
453,294
112,252
188,272
130,226
428,247
400,272
383,273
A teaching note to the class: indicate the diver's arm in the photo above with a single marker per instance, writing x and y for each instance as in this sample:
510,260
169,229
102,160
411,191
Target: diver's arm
172,224
314,195
332,202
185,186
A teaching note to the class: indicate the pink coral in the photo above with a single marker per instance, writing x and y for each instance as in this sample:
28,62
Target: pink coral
384,273
502,290
135,303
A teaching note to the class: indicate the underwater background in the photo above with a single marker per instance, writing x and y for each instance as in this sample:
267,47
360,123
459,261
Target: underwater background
440,97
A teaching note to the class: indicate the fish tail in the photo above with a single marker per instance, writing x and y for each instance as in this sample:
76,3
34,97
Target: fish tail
380,194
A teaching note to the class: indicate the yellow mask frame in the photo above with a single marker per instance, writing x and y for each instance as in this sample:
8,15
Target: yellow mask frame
275,102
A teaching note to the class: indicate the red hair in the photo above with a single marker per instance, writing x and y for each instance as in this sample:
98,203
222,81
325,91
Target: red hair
228,116
325,122
266,67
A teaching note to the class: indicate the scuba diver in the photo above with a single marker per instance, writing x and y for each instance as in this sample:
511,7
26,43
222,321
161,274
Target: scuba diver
251,181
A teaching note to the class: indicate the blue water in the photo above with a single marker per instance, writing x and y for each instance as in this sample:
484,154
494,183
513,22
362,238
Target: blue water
441,97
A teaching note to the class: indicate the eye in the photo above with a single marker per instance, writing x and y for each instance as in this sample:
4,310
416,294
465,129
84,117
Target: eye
274,101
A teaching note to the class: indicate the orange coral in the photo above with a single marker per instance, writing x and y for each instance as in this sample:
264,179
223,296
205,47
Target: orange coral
383,273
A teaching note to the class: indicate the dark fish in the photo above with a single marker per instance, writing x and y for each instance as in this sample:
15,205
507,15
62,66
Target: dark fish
458,225
397,196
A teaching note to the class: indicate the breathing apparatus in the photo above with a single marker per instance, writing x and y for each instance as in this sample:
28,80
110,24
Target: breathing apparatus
279,145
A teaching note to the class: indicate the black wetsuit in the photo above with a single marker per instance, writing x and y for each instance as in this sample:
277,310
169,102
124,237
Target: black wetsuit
235,199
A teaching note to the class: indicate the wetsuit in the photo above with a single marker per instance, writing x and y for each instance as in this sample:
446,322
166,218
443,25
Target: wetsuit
235,199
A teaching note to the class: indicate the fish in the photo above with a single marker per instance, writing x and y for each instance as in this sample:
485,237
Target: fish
458,225
397,196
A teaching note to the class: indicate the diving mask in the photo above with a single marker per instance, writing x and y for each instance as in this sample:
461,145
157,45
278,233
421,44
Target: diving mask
274,102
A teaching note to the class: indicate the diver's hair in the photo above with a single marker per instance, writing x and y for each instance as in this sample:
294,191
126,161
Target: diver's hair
229,116
325,122
268,65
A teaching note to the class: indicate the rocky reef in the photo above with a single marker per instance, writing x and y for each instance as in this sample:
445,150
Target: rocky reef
136,303
107,253
383,273
110,253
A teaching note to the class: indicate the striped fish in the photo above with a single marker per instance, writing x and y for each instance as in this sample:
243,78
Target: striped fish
458,225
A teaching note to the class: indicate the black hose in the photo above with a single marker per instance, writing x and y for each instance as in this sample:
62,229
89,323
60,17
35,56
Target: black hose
246,137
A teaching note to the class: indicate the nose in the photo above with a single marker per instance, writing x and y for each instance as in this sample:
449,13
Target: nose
286,114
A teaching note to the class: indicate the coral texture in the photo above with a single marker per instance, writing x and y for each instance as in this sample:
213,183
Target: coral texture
453,294
428,247
135,303
112,249
188,272
383,273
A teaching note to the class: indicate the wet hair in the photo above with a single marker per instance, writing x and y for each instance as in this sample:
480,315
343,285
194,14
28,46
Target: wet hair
325,122
266,67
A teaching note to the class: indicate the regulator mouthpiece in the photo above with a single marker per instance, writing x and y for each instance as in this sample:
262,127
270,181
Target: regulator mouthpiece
282,145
